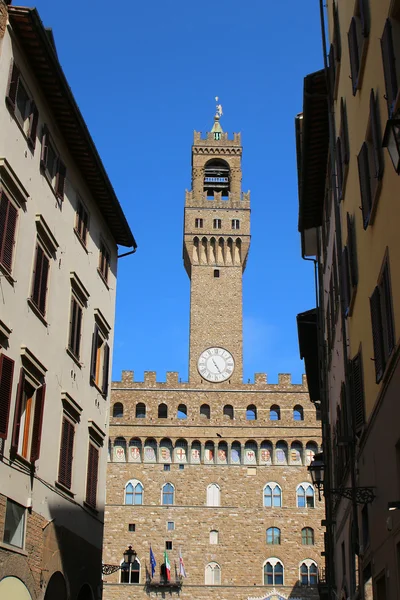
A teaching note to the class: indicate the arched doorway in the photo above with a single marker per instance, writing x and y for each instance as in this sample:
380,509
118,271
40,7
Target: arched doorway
12,587
56,588
85,593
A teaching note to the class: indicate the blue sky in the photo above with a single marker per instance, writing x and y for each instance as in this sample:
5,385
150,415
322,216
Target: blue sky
145,75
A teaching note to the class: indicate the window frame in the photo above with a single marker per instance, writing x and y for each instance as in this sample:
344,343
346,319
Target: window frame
135,483
29,124
307,533
198,223
213,495
308,564
120,412
273,562
273,485
275,535
235,224
40,277
10,502
104,265
81,227
305,486
169,493
7,367
100,356
212,568
217,223
57,179
9,221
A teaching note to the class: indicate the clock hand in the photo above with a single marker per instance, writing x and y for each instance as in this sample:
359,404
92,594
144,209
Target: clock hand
216,366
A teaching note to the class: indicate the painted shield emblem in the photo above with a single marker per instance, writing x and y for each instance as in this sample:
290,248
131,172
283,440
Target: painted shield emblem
195,455
135,453
165,454
222,455
209,455
265,455
235,458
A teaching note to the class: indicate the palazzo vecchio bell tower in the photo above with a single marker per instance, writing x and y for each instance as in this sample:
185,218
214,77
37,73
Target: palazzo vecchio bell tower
215,249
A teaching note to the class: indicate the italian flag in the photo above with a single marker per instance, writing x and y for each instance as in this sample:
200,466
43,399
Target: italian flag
167,566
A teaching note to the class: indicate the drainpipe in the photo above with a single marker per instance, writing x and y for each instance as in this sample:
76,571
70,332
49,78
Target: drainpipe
339,246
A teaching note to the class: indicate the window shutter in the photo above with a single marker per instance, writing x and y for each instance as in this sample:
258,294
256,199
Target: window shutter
6,379
344,133
45,147
91,482
332,71
37,423
93,359
376,137
106,364
37,275
354,54
12,89
389,66
336,34
364,17
389,324
60,183
33,123
345,290
17,414
376,320
66,453
78,329
8,224
339,167
357,392
365,183
43,284
351,242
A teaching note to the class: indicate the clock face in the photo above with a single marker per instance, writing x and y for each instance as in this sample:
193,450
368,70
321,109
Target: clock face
216,364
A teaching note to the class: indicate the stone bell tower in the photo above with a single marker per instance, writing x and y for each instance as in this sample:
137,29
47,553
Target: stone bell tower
216,245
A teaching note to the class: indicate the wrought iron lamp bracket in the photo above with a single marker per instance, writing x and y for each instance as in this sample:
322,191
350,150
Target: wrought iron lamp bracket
361,495
109,569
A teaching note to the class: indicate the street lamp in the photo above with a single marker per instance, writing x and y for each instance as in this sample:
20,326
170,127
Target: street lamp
394,505
361,495
129,558
391,141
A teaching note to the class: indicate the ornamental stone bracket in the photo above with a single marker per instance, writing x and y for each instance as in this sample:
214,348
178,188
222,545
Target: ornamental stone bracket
274,595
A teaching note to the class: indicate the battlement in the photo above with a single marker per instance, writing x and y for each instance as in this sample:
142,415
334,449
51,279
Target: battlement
173,381
208,139
234,200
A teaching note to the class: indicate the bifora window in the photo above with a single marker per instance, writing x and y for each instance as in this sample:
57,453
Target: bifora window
309,573
134,493
272,495
305,496
273,572
130,573
213,574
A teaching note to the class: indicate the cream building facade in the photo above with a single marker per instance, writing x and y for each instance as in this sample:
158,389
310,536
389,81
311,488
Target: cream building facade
212,469
60,223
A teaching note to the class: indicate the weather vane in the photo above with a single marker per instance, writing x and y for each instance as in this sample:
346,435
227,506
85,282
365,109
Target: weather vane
219,112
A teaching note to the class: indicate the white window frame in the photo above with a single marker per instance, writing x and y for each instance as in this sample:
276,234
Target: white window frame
130,570
214,566
162,493
272,485
274,561
134,483
305,485
308,562
213,495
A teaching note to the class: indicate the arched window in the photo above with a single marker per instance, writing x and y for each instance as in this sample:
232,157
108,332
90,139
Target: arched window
213,574
168,493
274,413
134,492
273,572
213,536
130,573
273,535
140,410
162,411
307,536
182,411
216,177
272,495
228,411
298,414
213,495
251,413
205,411
308,572
118,410
305,496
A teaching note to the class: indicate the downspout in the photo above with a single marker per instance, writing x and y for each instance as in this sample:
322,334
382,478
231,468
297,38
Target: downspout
339,246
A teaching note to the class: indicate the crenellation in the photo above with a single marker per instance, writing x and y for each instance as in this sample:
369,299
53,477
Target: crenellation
127,377
207,139
150,378
260,378
172,378
285,379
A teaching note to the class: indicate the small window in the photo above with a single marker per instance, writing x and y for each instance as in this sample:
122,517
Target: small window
140,411
8,227
228,411
104,262
251,413
305,496
298,414
182,411
81,222
52,166
131,527
213,536
213,495
217,135
235,224
167,467
181,467
75,326
272,495
170,526
118,410
168,545
14,526
100,361
205,411
273,572
273,536
40,279
216,273
168,492
162,411
217,223
198,223
307,536
274,413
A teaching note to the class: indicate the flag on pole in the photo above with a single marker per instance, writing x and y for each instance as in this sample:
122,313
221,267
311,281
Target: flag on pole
152,562
182,571
167,566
